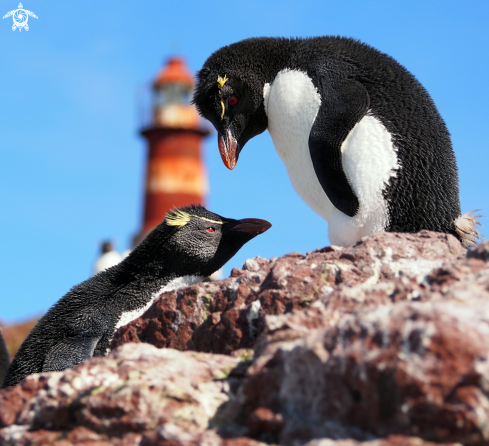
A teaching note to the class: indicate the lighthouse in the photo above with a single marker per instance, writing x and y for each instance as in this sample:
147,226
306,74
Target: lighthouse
175,173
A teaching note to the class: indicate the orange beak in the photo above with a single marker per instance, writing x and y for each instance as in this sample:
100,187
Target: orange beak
227,149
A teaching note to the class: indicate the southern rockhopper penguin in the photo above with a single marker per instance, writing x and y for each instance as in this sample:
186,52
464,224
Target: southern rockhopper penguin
363,142
190,244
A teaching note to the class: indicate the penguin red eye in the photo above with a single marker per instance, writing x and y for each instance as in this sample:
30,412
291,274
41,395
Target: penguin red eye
210,229
233,100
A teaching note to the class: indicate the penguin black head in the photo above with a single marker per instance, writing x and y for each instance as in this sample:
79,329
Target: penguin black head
229,103
200,242
232,98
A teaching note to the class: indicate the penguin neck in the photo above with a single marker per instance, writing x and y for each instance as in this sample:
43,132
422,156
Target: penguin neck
153,259
277,57
153,276
153,265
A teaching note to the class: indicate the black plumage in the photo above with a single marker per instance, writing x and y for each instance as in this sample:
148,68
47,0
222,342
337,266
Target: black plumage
4,357
353,80
191,241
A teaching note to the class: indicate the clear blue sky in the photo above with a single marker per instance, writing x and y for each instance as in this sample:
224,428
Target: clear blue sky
71,159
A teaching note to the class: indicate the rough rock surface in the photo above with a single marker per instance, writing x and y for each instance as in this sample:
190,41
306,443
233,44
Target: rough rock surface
223,316
380,344
138,394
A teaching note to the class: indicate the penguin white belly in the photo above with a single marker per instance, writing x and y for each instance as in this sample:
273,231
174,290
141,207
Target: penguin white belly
369,158
179,282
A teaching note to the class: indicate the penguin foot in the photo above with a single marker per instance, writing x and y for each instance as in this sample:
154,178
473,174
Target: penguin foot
465,225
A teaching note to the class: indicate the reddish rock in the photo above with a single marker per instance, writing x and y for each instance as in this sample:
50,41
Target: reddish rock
210,317
223,316
136,390
384,366
392,440
380,344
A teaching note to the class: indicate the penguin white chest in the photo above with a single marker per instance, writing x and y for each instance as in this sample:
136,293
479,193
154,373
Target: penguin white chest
292,103
369,158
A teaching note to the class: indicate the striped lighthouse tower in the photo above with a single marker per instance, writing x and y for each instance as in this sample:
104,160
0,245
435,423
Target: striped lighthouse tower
175,173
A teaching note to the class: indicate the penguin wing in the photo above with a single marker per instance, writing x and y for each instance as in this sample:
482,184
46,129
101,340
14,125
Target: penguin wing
69,353
344,102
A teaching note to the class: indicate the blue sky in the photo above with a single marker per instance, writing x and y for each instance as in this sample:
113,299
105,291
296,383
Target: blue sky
71,158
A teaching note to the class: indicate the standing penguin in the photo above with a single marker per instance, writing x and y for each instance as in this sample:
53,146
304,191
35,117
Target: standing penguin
190,244
363,142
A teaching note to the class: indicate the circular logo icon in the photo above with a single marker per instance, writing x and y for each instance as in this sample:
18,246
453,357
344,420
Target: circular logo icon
20,17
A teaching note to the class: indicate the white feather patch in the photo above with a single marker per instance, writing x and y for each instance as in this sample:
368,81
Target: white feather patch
179,282
369,158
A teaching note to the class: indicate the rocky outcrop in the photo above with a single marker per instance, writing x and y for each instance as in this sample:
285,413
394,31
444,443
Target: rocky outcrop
380,344
223,316
138,394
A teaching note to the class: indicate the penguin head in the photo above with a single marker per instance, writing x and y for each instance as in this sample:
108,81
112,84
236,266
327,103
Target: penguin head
229,93
200,242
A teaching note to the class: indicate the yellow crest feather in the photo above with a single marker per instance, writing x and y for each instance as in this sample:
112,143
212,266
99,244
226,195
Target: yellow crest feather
222,80
176,217
223,110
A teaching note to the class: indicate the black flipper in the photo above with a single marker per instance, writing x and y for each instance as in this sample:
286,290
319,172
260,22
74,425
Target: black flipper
69,353
344,102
